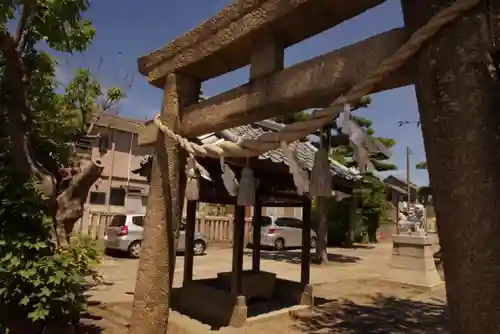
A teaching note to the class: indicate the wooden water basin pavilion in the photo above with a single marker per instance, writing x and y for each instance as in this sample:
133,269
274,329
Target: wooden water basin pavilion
238,294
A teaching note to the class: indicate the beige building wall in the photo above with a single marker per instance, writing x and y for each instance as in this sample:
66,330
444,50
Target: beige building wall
118,190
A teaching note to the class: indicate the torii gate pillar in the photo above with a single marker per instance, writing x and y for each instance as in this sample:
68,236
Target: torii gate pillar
458,95
164,210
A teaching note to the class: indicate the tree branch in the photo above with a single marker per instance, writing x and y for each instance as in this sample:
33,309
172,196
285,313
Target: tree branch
95,119
100,111
21,27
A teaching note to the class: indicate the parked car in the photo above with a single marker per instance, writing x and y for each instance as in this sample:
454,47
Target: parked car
282,232
125,233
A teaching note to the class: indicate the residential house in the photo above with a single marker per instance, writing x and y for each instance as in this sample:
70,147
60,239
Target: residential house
118,190
397,190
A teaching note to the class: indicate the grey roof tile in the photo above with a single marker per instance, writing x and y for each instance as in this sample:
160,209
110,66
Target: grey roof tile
304,151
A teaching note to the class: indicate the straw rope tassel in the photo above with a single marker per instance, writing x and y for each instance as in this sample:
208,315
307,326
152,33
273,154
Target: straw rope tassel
357,140
246,189
321,176
229,178
363,159
300,177
346,121
192,182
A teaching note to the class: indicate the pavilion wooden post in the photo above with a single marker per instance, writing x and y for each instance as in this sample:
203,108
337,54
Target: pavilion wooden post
238,244
189,248
164,209
256,234
458,95
305,265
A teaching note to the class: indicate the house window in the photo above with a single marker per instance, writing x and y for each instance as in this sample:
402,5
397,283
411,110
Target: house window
134,191
84,145
97,197
103,144
117,197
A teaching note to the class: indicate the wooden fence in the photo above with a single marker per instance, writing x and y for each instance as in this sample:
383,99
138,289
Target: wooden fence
215,229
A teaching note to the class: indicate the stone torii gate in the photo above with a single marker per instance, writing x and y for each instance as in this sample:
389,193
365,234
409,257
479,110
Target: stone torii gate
452,61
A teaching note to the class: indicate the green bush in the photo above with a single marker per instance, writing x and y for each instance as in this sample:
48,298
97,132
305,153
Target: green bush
40,284
338,222
370,213
338,218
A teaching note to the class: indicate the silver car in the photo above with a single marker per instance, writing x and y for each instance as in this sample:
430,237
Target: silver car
282,232
125,233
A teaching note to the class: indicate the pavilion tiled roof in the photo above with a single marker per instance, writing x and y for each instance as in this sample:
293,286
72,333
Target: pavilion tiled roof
304,150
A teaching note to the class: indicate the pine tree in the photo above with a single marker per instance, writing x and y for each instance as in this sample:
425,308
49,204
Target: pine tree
370,196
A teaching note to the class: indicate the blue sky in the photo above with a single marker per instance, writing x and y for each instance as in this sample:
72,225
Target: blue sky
128,29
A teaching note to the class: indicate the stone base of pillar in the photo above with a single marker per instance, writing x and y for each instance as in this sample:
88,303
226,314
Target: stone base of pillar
412,261
307,296
239,316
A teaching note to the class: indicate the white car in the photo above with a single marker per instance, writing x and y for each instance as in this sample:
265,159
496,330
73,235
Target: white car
282,232
125,233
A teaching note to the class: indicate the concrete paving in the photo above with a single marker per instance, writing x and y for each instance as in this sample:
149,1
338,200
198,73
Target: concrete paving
365,262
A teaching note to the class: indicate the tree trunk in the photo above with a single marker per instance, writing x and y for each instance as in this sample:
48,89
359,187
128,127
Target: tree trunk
69,204
373,222
351,221
164,208
457,91
321,250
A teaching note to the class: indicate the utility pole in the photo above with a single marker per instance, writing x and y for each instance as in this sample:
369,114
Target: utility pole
408,180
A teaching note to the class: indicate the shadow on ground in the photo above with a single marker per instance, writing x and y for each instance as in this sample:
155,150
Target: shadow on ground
295,257
89,329
87,324
385,315
360,246
103,318
118,255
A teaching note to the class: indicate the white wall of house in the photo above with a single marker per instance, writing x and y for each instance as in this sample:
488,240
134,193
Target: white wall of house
135,203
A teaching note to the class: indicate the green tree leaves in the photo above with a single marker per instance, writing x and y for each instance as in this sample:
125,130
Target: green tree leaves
421,165
58,23
292,118
40,282
344,153
370,192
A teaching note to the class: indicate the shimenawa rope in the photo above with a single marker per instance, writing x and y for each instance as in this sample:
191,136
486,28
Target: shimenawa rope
298,130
